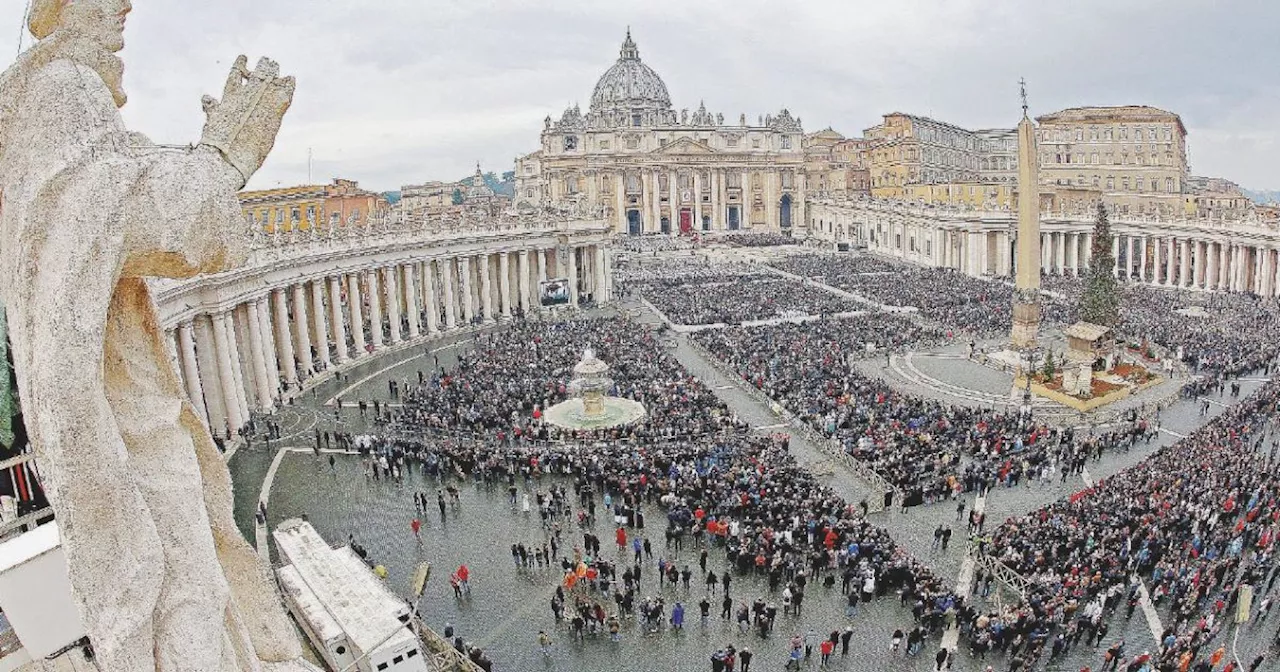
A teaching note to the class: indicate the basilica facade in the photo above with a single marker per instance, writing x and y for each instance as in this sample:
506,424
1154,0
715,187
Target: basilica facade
651,169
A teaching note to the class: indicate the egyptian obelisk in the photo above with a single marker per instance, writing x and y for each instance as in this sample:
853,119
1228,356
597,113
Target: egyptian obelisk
1026,297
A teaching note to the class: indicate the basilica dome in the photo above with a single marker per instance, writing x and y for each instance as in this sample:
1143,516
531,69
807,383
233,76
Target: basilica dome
629,85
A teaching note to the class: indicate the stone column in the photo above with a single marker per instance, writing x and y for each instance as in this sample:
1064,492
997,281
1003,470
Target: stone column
1225,269
376,336
602,277
542,265
504,282
1128,260
1142,258
486,288
673,209
191,369
450,296
243,384
355,302
429,297
620,203
411,301
1060,249
284,342
468,300
1086,252
1255,283
1171,262
262,306
335,316
697,200
393,301
322,328
302,344
573,276
522,270
648,187
254,329
226,372
1197,271
1073,251
1184,264
211,383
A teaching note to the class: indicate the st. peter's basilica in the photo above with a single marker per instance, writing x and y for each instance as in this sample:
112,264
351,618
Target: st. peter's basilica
652,169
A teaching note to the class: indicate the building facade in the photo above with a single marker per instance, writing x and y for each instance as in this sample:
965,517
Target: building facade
1134,154
908,149
334,205
651,169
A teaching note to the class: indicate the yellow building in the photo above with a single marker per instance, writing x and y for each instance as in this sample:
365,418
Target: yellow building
1134,154
980,195
285,209
908,149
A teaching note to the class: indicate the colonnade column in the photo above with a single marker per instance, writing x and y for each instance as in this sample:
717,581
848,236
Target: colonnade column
522,270
504,282
302,346
1170,264
1157,272
191,370
284,342
355,301
262,306
322,327
1184,266
335,316
411,301
392,283
214,406
1197,272
1142,259
1061,252
254,329
468,304
450,296
429,297
226,373
486,288
376,338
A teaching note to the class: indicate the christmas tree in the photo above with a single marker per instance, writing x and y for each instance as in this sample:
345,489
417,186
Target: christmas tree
1100,303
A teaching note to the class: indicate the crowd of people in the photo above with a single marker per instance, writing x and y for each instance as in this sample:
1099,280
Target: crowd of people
741,239
957,302
915,443
731,299
654,243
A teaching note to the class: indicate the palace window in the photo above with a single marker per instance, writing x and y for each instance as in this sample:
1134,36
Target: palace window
1126,183
1094,158
755,143
604,144
293,214
731,142
662,142
786,180
1096,181
1111,183
1109,134
635,119
1079,134
1137,134
786,142
311,213
1169,185
633,142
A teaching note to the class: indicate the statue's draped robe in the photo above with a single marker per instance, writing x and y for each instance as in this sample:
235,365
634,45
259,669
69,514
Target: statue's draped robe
162,577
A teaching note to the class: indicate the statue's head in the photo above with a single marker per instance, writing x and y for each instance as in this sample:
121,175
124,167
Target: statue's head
86,31
100,19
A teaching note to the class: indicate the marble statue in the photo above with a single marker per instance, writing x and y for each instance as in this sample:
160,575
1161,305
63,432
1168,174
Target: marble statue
162,577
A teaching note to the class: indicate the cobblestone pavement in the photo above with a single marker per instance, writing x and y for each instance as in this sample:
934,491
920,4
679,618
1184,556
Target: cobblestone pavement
508,605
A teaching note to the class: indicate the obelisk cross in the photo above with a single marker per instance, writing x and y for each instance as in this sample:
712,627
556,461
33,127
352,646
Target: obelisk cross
1022,87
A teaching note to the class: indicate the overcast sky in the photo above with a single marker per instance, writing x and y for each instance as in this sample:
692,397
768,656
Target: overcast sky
402,91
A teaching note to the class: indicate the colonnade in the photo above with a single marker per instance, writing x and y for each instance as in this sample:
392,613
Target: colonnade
240,359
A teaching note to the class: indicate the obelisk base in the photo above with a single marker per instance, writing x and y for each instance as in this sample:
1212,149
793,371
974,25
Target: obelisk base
1026,322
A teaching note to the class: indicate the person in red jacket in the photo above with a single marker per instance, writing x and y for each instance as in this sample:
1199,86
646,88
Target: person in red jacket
826,649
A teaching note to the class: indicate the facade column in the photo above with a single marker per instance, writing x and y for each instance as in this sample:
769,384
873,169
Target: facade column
393,301
1086,251
322,327
573,276
1255,283
673,208
1073,254
1211,265
1046,252
697,201
284,342
542,265
646,200
1132,253
206,352
522,270
1171,262
468,301
376,336
302,344
1142,259
486,288
620,203
355,302
1115,254
450,296
254,329
1157,272
504,282
335,316
1060,249
429,297
191,369
411,300
226,373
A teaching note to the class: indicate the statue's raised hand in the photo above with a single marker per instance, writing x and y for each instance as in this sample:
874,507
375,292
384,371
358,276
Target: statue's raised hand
243,125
